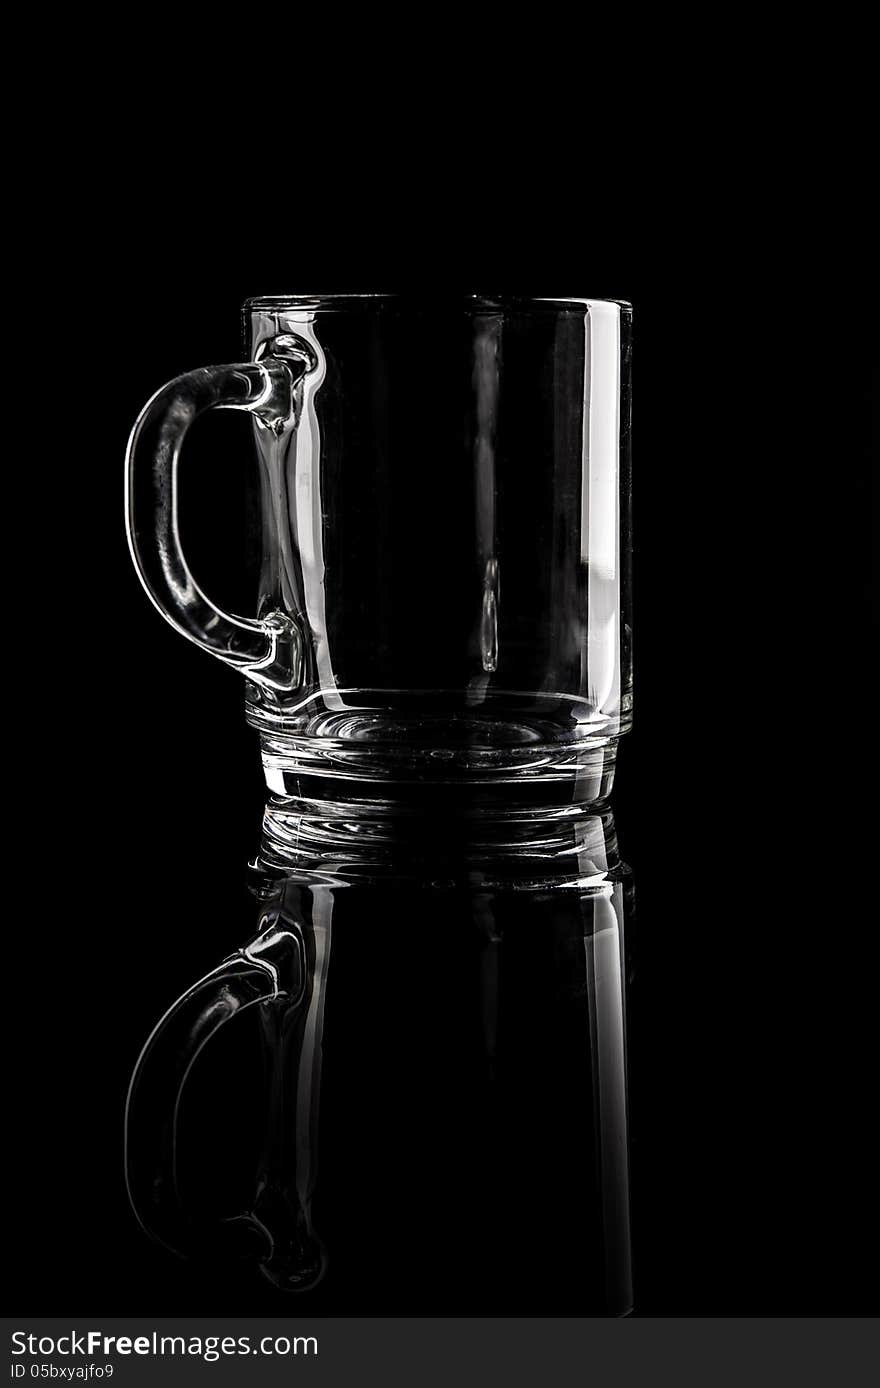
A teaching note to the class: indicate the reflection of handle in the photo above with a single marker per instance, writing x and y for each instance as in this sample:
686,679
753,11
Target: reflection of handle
271,967
266,650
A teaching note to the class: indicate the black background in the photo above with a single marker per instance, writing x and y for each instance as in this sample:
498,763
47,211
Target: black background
741,791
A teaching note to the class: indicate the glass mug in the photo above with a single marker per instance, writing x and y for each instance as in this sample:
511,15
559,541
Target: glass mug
444,602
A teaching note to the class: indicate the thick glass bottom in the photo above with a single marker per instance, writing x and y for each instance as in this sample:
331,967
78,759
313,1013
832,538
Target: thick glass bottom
320,770
492,748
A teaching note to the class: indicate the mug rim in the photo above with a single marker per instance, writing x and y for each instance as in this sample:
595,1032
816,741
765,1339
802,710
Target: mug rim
481,303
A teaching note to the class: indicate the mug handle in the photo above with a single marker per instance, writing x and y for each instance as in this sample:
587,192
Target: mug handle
269,649
271,968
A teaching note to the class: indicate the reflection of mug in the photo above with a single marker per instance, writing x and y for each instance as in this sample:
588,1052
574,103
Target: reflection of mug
445,575
453,1023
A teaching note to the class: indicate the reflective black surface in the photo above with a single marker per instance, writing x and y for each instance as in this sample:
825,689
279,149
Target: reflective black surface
742,1104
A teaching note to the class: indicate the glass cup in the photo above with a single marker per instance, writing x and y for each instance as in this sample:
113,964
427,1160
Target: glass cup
444,603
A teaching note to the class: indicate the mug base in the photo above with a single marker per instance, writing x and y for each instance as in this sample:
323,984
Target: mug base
322,771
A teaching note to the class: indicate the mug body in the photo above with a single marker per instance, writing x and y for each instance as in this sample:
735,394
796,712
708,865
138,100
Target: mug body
446,527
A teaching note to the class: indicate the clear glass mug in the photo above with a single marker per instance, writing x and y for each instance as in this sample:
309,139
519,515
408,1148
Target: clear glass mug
444,602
